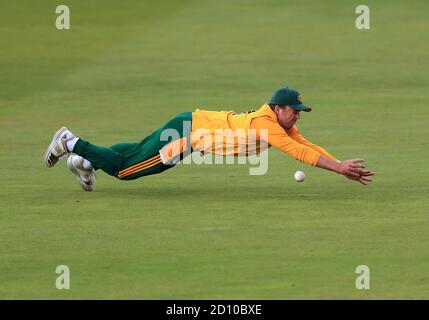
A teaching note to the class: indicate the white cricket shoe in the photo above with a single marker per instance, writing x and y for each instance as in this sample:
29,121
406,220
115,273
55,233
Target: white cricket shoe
85,177
58,147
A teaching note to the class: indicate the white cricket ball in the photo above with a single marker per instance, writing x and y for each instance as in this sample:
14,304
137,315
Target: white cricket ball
299,176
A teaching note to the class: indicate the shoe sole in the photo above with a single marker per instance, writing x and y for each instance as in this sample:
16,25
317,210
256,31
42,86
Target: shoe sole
55,140
83,185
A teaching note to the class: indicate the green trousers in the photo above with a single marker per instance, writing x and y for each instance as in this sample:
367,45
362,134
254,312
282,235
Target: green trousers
128,161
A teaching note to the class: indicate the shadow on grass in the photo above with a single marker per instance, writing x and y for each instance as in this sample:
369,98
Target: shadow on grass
229,192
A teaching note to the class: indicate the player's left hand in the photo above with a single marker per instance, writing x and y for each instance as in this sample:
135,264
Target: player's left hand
363,177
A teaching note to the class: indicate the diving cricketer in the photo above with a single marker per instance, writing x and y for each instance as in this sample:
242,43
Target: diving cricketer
196,131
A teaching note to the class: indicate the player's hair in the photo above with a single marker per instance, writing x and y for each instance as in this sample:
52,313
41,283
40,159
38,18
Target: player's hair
273,105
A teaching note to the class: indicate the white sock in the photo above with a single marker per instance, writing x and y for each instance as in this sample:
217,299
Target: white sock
87,165
71,143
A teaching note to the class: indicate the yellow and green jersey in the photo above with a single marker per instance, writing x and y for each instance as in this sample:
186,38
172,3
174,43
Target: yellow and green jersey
208,125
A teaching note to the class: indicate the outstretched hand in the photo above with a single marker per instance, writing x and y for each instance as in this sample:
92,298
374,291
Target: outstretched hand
354,169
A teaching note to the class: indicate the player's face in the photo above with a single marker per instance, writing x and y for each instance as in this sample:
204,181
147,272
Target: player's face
287,116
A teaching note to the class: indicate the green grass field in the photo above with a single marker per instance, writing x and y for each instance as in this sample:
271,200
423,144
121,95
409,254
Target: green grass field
215,232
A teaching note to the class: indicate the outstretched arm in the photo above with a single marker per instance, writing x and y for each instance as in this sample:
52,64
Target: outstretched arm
351,169
278,138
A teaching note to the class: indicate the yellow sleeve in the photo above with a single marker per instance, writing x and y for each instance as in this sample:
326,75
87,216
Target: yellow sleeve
278,138
297,136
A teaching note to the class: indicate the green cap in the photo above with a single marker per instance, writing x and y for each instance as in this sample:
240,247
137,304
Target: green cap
290,97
